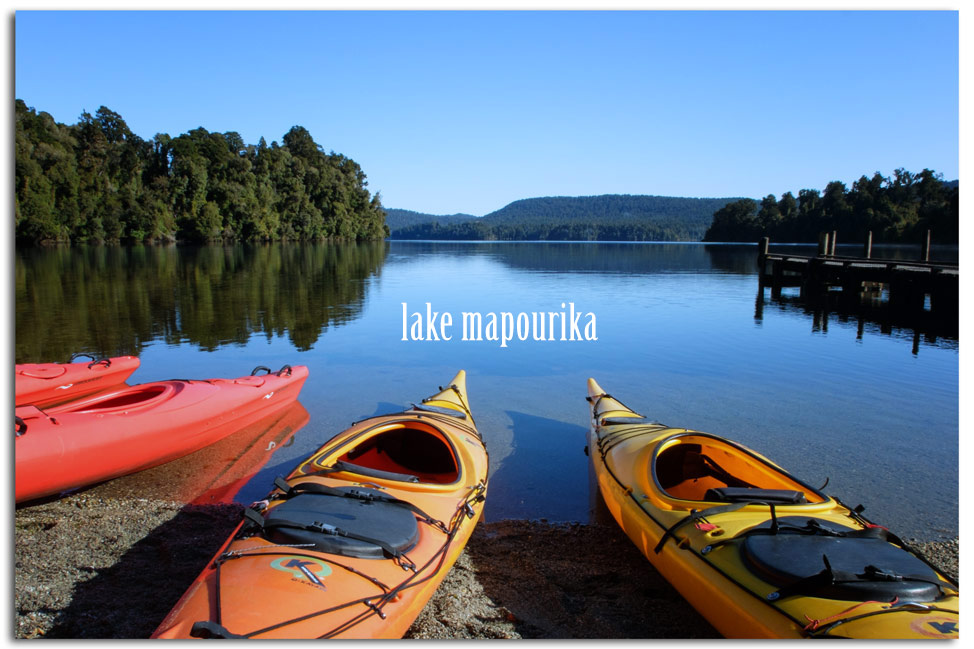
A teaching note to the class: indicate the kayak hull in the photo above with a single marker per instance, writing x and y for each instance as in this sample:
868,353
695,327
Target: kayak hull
287,583
730,558
138,427
43,384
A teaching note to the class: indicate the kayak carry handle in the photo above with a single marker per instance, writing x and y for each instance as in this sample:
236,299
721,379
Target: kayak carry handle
20,426
280,372
259,368
107,362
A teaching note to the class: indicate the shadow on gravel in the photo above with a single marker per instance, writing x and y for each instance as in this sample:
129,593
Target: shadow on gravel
578,581
131,597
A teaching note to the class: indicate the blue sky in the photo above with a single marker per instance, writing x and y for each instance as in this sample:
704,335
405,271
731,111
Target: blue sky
467,111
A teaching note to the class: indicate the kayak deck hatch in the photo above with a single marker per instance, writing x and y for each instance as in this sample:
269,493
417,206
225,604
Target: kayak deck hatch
359,526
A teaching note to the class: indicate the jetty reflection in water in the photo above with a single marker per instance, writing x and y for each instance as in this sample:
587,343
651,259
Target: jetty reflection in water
871,313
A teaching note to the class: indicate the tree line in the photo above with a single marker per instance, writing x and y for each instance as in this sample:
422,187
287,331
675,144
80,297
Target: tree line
900,208
610,217
669,230
96,181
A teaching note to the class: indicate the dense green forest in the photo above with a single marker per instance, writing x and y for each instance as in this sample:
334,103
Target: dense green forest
613,217
900,208
97,181
397,219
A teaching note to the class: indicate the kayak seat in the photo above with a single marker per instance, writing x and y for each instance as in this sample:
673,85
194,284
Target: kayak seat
787,558
410,451
306,517
685,472
703,468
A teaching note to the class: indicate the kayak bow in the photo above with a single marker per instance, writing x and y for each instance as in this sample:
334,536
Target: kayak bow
137,427
43,384
353,543
759,553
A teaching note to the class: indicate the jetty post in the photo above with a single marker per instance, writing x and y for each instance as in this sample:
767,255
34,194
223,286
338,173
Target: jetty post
909,282
763,246
823,244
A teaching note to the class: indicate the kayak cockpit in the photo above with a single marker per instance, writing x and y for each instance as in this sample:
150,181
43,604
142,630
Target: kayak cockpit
405,450
124,400
703,467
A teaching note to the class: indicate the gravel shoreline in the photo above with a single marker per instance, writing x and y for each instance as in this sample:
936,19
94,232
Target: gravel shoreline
100,566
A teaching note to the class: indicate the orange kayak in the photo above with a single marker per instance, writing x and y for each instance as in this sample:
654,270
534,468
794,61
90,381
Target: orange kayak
355,540
46,383
137,427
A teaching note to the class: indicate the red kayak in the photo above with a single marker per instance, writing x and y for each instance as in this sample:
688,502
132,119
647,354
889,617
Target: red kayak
42,384
137,427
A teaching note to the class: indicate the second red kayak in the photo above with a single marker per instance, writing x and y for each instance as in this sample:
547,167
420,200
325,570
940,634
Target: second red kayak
48,383
137,427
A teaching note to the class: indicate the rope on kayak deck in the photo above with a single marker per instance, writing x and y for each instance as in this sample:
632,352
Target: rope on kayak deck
452,422
616,437
316,488
814,624
892,607
374,605
464,511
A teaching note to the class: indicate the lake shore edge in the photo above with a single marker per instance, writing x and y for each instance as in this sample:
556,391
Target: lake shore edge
97,566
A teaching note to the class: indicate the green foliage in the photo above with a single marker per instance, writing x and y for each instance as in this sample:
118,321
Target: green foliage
614,217
897,209
96,181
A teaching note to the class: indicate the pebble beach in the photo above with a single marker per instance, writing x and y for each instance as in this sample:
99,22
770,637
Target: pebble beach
97,564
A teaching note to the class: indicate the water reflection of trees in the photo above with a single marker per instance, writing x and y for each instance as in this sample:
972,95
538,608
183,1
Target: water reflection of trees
581,257
114,300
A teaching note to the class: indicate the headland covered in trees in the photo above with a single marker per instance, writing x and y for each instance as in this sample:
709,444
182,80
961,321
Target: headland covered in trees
96,181
901,208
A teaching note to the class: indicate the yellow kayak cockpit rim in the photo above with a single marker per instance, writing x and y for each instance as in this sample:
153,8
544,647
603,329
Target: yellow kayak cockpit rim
700,467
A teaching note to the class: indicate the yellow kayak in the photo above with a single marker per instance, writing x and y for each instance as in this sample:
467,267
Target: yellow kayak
353,543
759,553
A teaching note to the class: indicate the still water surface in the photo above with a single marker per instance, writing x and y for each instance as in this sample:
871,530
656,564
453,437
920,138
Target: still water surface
685,336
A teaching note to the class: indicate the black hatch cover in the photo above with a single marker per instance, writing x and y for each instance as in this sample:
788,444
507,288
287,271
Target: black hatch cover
389,523
785,558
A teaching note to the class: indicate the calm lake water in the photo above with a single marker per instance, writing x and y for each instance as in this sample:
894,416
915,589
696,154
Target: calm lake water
869,403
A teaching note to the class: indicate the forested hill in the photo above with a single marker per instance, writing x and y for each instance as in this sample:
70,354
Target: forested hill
899,208
610,217
97,181
397,219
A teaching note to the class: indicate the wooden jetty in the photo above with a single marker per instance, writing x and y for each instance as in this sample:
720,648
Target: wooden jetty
908,282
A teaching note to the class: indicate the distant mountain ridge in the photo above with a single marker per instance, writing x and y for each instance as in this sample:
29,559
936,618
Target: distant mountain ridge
397,219
616,217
